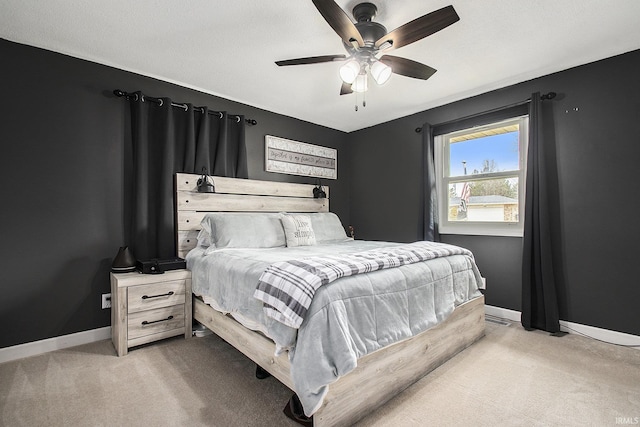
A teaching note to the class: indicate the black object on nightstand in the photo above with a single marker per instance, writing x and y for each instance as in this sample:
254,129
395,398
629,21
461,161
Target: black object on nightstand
124,262
159,266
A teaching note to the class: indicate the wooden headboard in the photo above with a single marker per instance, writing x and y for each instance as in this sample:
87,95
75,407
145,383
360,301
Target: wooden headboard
236,195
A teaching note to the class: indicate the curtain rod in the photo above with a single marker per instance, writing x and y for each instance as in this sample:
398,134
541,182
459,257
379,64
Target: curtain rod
127,95
549,95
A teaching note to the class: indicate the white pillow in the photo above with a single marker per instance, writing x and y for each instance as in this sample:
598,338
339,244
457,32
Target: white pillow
242,230
327,227
204,236
298,230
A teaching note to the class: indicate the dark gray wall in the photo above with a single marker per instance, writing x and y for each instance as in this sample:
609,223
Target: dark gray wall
596,124
63,137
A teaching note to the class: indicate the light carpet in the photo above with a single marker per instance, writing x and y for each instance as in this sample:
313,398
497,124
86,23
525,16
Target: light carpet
510,377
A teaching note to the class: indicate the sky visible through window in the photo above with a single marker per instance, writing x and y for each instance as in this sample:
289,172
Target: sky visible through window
503,149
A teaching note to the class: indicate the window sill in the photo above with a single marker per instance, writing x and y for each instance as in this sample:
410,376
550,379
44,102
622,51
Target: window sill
471,229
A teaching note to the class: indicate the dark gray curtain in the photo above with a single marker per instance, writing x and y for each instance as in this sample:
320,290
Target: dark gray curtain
539,294
166,139
430,205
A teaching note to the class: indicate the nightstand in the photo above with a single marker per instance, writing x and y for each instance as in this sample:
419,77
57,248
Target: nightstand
149,307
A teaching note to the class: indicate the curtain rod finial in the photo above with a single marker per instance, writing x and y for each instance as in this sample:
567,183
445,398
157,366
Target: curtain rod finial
418,130
549,95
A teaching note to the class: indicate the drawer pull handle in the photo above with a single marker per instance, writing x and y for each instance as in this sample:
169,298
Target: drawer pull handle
168,294
145,322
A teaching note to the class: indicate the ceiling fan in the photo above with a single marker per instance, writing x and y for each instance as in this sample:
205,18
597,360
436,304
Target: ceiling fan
365,39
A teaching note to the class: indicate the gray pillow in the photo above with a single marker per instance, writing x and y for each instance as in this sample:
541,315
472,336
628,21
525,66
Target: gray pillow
242,230
327,227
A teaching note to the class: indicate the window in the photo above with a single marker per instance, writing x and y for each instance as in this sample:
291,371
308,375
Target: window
480,178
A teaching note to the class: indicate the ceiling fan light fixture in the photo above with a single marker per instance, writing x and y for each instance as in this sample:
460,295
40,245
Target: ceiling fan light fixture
360,83
380,72
349,71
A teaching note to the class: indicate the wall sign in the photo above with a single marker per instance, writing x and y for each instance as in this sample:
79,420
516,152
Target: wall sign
298,158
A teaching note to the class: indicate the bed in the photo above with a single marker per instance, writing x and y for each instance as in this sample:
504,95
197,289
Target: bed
364,371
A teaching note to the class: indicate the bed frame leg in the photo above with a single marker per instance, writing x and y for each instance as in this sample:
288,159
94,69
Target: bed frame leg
293,410
261,373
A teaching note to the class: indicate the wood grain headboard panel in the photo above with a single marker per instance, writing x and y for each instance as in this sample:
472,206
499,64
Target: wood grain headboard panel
236,195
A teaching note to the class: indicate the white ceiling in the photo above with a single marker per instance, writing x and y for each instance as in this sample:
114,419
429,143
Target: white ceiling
228,48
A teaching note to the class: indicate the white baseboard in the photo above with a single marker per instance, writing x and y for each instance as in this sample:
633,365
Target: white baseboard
35,348
50,344
503,313
613,337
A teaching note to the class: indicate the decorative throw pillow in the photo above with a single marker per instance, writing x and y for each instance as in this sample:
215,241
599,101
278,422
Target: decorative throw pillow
298,230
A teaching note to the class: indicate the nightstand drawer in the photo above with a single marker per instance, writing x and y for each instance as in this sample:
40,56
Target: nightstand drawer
155,321
155,295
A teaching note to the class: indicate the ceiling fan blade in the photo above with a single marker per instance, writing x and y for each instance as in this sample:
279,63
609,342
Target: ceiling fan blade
407,67
420,28
339,21
311,60
345,89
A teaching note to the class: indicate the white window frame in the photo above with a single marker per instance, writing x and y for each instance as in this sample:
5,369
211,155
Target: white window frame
441,160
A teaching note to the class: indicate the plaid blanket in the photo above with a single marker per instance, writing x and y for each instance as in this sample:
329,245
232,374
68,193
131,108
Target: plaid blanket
287,288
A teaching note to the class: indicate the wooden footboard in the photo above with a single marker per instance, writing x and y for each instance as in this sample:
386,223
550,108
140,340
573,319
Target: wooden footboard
379,376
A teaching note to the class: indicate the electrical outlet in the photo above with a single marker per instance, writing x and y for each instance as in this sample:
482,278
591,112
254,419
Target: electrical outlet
106,300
